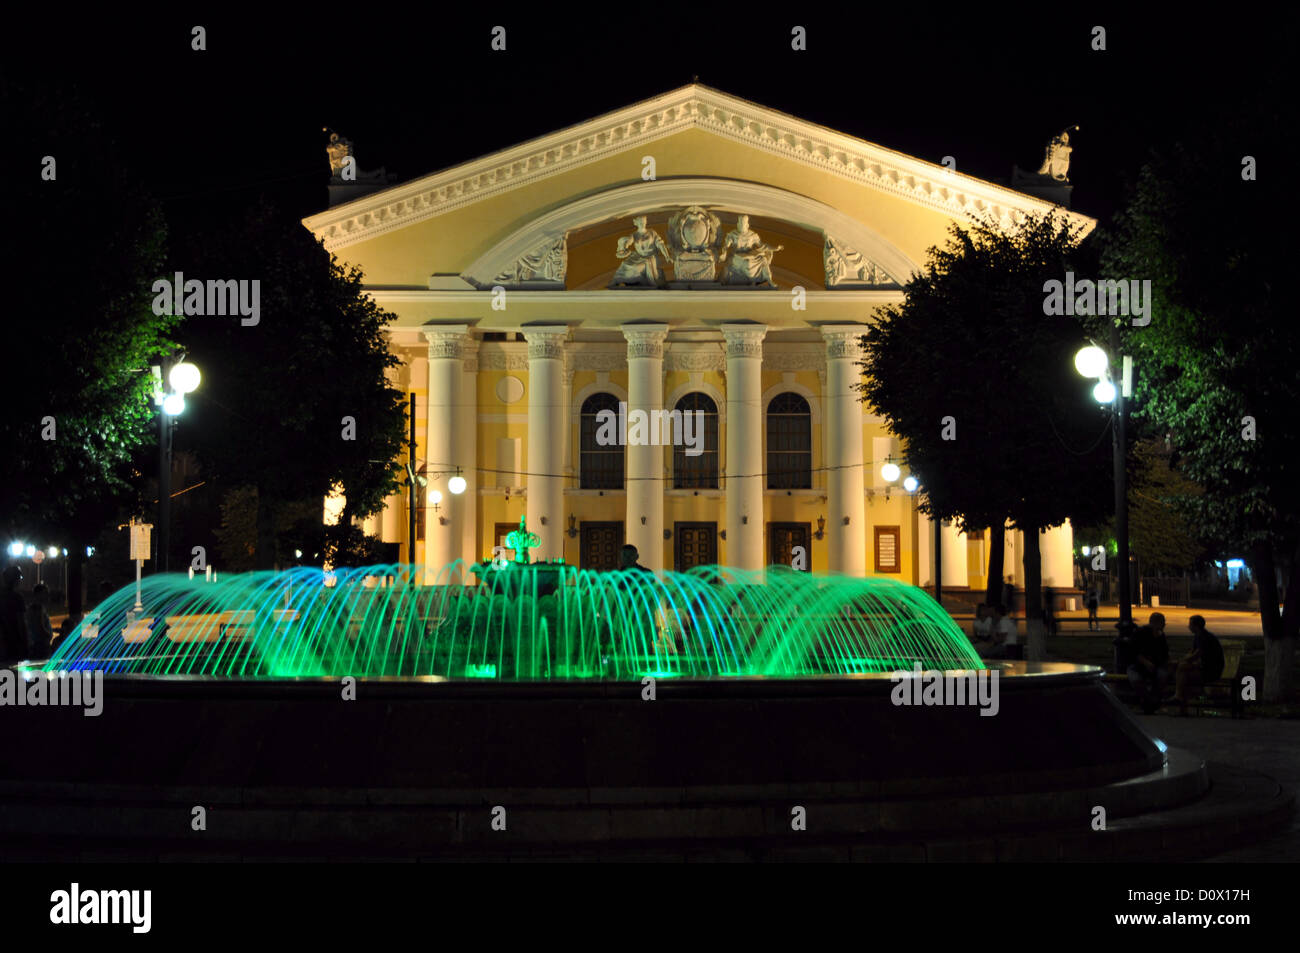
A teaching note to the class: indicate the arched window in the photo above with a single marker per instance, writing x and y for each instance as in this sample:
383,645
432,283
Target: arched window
600,464
789,443
697,472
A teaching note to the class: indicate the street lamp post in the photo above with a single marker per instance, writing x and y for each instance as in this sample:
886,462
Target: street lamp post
1092,361
164,477
890,472
1120,444
182,377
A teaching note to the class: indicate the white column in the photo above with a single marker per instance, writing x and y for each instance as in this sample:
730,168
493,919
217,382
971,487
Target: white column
1017,550
1057,545
846,542
442,450
414,551
924,550
545,513
744,465
470,551
645,468
954,557
390,517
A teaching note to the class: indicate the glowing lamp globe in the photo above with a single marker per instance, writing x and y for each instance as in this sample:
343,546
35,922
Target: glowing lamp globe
184,377
1091,361
910,484
53,551
1104,392
890,472
16,548
435,497
457,485
174,405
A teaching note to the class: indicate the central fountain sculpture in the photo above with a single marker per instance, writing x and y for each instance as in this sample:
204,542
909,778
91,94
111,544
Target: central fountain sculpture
524,621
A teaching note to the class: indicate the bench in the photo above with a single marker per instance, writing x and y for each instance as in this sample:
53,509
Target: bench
1225,690
1227,687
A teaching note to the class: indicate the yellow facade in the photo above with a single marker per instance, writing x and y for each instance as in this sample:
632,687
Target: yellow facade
499,272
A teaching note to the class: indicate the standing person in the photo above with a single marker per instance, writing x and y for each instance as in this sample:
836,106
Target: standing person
39,631
1092,609
630,584
982,629
1149,671
629,558
1202,665
1009,595
13,625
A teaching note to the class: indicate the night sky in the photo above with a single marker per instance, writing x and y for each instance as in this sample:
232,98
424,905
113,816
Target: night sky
207,131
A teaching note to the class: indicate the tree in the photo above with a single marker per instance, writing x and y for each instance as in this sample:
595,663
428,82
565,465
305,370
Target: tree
1217,364
297,403
81,328
971,342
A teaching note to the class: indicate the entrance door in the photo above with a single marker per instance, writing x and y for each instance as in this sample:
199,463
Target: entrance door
782,538
601,543
499,533
694,544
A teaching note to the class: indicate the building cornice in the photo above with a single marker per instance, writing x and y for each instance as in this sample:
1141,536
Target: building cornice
871,297
691,106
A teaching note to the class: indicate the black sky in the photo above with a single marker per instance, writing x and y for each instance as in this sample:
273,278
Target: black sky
417,92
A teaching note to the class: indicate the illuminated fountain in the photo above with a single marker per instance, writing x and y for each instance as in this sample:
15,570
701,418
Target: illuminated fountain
609,710
525,621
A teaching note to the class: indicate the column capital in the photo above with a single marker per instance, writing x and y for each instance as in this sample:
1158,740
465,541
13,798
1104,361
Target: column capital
842,340
645,340
744,340
546,343
445,340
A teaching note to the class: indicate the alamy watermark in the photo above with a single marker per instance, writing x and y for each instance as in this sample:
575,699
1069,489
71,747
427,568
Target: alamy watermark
185,297
1099,297
76,906
922,688
647,428
49,689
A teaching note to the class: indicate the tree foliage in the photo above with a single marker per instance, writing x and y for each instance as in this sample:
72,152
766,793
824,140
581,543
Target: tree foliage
298,403
1217,364
1162,534
971,342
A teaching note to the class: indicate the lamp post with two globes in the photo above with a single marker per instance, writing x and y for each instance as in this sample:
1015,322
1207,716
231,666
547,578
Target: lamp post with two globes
1092,361
890,472
182,378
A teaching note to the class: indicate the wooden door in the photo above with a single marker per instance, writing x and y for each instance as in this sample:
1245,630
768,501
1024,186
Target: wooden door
782,538
600,545
694,544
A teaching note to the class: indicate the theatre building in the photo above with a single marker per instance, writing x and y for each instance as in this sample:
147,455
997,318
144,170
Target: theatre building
693,252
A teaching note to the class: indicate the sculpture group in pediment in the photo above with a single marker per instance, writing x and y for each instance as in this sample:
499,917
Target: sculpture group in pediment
697,252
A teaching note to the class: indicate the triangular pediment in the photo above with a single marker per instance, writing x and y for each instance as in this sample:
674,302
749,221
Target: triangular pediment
522,172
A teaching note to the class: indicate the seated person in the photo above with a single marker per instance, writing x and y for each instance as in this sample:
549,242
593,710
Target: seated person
1004,634
1202,665
1149,670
